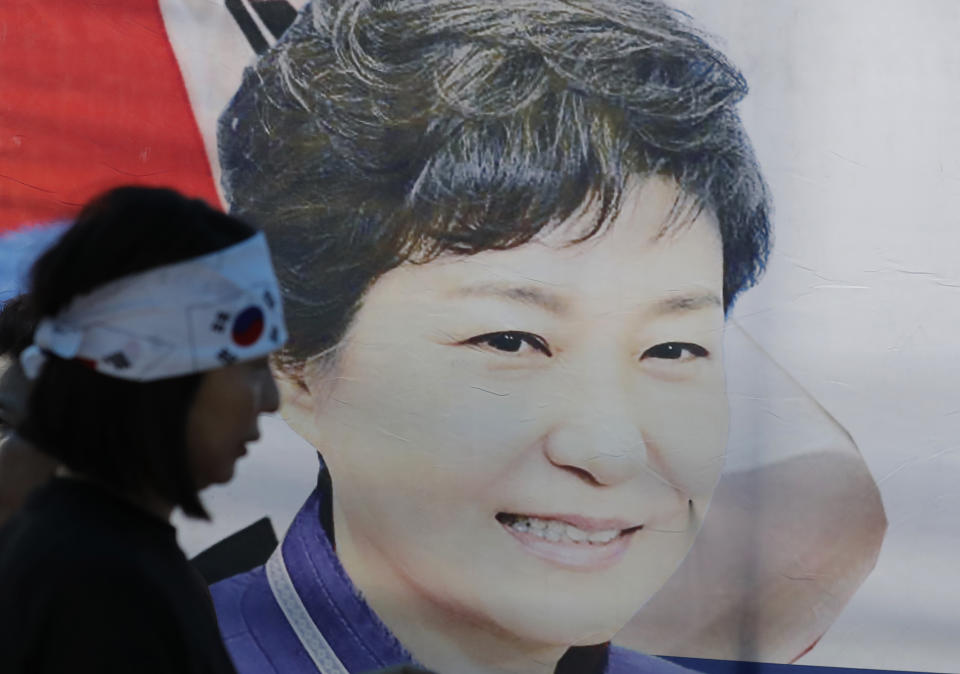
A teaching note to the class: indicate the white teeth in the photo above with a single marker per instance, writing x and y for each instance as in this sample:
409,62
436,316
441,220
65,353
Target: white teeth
602,536
555,531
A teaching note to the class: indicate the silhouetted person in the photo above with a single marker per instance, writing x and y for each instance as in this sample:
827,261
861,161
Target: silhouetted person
156,315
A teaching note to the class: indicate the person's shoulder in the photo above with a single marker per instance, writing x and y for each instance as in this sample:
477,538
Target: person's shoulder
625,661
38,548
112,597
52,565
108,619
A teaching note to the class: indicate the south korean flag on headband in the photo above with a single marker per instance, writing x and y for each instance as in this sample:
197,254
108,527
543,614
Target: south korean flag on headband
233,330
190,317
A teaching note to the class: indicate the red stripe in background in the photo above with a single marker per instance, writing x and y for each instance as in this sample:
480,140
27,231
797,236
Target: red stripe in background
91,96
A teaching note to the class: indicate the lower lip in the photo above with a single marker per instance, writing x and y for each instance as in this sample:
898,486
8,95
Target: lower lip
574,556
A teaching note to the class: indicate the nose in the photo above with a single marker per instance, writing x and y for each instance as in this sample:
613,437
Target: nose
269,393
600,438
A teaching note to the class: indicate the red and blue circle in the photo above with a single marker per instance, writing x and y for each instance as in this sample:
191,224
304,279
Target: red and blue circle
247,326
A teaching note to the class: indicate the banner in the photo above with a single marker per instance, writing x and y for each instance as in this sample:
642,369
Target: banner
830,537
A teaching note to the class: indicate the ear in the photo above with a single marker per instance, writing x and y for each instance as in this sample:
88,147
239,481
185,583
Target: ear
297,407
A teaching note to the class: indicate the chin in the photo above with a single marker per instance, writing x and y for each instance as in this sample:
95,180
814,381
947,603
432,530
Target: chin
222,476
571,628
573,619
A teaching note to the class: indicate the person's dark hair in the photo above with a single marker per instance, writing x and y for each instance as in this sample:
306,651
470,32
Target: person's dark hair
377,133
17,323
129,435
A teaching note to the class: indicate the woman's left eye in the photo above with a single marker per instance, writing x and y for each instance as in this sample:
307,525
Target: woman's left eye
511,341
681,351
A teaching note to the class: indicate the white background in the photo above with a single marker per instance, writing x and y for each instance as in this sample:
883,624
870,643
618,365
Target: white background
855,114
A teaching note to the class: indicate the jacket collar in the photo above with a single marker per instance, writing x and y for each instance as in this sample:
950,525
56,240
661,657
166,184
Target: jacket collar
335,626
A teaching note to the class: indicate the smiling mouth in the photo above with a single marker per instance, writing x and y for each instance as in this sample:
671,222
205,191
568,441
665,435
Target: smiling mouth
559,531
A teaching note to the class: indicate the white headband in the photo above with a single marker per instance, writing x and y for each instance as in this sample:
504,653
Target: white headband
180,319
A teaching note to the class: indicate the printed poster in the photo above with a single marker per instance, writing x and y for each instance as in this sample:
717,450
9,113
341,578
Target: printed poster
830,537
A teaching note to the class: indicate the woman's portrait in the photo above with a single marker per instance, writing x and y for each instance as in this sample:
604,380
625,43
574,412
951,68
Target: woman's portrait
509,235
577,376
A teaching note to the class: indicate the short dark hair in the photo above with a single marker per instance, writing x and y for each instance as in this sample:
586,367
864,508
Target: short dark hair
17,323
378,133
130,435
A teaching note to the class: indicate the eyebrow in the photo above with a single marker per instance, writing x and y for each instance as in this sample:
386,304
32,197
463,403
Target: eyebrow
550,301
684,303
531,295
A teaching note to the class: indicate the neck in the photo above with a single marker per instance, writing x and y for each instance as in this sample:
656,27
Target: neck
145,499
439,637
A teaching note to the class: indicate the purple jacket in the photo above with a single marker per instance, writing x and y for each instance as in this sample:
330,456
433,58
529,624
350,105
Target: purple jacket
301,614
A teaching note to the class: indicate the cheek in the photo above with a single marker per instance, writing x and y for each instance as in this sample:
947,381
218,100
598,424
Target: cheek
221,419
686,433
444,433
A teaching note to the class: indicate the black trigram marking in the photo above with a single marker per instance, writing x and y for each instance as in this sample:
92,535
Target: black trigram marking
220,322
119,360
268,300
276,16
226,357
274,334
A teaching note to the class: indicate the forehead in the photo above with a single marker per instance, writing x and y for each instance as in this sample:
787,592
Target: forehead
636,258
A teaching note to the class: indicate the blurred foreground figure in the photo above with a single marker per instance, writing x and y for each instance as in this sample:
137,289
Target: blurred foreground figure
156,317
22,468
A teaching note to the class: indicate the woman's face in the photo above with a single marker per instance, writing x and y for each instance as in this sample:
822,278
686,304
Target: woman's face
223,418
529,438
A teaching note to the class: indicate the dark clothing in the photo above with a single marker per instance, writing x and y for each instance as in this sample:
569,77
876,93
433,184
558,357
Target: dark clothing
241,551
92,583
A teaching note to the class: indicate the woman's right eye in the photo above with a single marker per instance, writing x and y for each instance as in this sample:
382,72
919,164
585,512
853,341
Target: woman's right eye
512,341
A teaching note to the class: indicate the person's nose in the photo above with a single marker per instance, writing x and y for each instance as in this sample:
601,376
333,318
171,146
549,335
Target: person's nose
269,393
598,435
